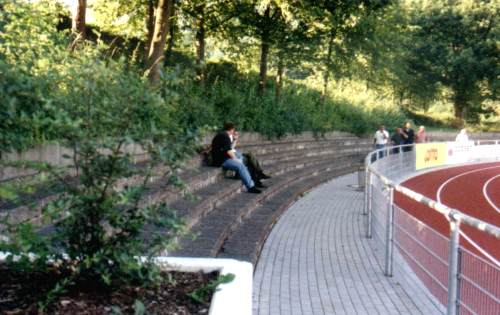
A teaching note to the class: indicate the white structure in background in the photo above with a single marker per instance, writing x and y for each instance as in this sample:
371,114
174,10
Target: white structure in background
462,136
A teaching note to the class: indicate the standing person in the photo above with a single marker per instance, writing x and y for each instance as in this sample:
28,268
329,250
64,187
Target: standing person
462,136
380,139
224,155
408,135
397,139
421,136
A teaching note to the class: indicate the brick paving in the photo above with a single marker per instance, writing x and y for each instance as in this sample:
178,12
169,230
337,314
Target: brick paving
316,260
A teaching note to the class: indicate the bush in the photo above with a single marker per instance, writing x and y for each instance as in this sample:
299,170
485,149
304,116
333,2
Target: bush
391,118
298,109
97,107
22,113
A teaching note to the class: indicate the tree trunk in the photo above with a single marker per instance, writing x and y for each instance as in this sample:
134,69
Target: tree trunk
157,47
279,78
171,33
459,111
78,26
264,53
200,46
328,59
150,27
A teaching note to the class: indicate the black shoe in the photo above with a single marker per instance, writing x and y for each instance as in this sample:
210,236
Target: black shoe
254,190
264,176
260,185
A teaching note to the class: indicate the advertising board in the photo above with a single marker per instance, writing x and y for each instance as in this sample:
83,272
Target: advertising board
430,155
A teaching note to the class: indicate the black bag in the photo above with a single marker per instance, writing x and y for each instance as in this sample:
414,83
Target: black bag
206,154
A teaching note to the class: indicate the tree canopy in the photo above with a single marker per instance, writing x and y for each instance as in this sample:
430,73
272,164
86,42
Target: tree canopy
213,60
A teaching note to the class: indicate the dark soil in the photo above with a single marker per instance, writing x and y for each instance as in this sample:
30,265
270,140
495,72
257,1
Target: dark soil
20,293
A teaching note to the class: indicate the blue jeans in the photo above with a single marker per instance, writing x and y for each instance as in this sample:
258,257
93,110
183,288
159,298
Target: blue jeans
242,171
380,146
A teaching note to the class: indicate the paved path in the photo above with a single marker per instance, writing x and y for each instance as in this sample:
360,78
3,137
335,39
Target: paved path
317,261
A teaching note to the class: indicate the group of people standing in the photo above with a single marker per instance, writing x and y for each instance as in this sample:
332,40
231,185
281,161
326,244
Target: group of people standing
401,136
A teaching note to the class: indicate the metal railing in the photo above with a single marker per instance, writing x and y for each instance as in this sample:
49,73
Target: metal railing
462,282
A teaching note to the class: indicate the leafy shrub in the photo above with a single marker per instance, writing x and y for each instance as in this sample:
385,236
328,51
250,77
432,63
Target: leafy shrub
97,224
97,107
24,119
200,295
391,118
30,51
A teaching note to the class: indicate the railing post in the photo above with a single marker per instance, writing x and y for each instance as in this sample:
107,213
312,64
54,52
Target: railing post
453,267
369,205
367,183
389,244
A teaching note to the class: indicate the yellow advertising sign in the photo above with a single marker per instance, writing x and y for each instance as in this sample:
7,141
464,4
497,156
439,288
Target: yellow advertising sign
430,155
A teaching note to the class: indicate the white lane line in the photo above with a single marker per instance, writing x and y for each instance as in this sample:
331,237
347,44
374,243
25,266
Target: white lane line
438,193
474,244
485,192
480,249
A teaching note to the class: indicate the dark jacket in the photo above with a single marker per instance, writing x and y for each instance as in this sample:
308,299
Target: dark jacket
411,136
221,144
397,139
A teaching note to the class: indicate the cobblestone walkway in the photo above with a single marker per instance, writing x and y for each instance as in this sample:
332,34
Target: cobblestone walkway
317,261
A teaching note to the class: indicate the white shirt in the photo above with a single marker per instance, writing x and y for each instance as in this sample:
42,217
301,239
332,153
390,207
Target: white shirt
381,137
462,137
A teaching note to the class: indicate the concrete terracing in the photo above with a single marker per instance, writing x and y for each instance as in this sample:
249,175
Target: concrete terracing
317,260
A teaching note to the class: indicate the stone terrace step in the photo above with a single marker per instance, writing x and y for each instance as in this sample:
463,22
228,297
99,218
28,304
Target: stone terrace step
270,147
310,153
294,146
268,153
202,176
250,138
217,225
209,197
246,242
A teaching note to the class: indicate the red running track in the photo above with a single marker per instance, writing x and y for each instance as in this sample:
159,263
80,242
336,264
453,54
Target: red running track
471,189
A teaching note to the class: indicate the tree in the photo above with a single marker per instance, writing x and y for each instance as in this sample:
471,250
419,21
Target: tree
454,47
163,14
209,17
338,17
150,22
294,45
139,17
78,26
264,20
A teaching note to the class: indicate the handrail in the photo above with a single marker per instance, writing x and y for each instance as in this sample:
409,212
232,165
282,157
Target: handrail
402,161
455,214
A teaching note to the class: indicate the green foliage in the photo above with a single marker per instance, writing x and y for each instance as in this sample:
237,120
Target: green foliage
29,46
440,51
200,295
99,108
457,49
230,95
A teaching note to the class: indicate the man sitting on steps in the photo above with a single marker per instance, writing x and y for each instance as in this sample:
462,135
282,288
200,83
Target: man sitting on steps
223,154
250,162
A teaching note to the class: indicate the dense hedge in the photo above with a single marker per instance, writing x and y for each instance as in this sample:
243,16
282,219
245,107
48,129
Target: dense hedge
231,95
